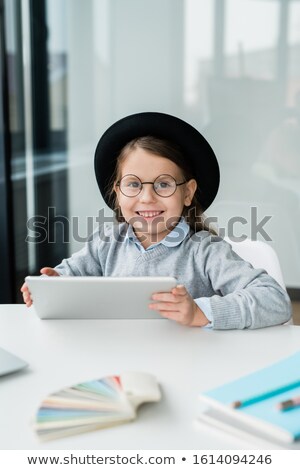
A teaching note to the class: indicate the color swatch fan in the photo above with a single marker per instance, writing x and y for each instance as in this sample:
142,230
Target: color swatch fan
96,404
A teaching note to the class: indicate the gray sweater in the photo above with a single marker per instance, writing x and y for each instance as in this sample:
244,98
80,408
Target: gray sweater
240,296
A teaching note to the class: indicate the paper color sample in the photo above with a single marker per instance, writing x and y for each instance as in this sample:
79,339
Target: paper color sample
95,404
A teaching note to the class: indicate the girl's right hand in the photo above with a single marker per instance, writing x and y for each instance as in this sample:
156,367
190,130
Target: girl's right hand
25,291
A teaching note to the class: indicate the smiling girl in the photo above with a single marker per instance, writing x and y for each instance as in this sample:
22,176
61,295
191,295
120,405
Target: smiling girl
159,174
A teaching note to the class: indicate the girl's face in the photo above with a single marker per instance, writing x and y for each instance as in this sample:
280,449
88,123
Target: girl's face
151,215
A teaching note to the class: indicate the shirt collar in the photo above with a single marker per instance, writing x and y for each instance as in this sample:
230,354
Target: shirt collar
174,238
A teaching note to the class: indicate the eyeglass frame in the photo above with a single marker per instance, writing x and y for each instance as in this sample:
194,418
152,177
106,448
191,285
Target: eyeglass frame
149,182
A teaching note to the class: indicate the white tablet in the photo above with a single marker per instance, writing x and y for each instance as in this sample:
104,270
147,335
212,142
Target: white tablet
82,297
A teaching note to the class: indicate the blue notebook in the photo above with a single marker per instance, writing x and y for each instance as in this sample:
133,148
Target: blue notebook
261,392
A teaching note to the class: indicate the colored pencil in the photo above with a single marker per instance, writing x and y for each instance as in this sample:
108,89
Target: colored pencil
265,395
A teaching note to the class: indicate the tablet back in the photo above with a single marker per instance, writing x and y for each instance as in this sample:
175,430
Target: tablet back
96,297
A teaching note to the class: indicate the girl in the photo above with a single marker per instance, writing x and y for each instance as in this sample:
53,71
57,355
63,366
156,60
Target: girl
159,175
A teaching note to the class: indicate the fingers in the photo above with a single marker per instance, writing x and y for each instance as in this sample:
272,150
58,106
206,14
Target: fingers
175,296
26,295
24,287
164,297
179,290
164,306
49,271
175,316
27,299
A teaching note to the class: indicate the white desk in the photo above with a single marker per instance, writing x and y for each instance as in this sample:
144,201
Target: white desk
184,360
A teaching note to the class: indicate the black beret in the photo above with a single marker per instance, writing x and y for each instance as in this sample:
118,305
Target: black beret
194,148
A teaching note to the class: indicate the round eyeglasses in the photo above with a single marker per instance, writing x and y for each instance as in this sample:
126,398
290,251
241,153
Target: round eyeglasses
163,185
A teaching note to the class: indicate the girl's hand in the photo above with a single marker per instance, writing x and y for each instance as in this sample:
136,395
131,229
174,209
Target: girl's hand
178,305
25,291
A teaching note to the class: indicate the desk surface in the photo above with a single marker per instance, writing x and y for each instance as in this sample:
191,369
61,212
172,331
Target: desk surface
185,361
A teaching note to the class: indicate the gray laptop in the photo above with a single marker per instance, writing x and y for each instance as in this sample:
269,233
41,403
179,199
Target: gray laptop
80,297
10,363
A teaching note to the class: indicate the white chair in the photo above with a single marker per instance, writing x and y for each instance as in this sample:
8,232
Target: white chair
260,255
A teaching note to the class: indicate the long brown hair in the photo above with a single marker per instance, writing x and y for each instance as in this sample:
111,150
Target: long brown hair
193,214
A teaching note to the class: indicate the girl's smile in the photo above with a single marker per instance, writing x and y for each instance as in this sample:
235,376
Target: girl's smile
150,214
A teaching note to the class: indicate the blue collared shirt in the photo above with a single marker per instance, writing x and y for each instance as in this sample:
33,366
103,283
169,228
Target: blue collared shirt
174,238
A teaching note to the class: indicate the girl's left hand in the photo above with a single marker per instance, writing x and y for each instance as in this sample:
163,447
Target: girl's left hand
178,305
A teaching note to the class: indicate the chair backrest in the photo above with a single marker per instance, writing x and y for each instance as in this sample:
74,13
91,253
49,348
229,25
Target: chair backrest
260,255
288,252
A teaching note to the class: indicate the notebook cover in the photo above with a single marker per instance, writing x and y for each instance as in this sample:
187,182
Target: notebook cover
264,414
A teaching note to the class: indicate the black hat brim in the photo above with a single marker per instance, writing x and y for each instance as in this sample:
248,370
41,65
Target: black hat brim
197,151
